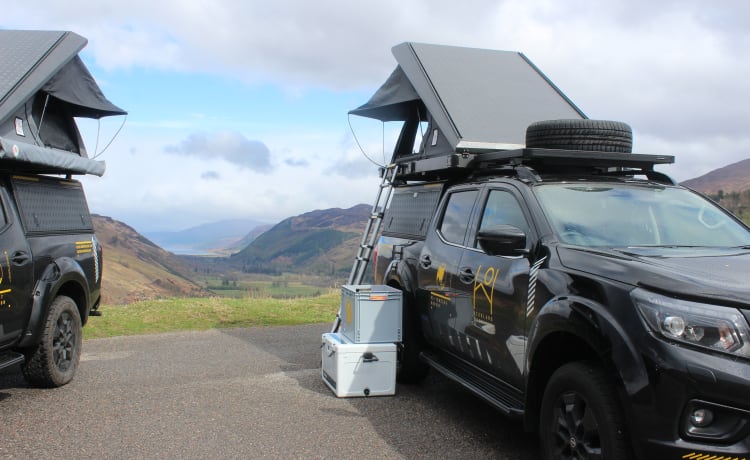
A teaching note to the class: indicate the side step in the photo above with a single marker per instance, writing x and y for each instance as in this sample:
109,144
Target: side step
488,387
10,358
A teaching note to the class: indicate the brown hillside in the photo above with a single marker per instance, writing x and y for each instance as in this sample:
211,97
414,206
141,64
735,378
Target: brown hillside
732,178
345,220
136,269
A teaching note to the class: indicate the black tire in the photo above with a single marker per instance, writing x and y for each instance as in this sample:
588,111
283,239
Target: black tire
54,361
410,368
580,416
581,134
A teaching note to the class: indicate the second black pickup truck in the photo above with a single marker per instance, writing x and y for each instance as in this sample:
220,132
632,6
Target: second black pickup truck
604,306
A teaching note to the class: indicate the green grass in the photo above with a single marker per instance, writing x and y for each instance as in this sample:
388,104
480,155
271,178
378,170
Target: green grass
167,315
277,287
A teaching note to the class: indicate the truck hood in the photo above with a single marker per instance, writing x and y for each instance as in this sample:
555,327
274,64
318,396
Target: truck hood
719,274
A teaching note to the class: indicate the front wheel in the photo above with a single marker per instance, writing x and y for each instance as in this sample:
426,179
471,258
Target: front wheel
580,417
54,361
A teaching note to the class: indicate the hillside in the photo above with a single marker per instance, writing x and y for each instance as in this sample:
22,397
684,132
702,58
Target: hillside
136,269
322,242
731,178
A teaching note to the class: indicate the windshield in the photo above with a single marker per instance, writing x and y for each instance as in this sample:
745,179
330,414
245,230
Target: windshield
622,215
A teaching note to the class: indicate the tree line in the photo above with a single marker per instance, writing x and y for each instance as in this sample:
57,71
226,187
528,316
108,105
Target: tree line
738,203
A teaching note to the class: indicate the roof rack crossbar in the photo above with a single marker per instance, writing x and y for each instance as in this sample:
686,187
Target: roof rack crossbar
436,168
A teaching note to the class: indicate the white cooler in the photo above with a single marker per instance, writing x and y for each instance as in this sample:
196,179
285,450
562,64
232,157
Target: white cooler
358,369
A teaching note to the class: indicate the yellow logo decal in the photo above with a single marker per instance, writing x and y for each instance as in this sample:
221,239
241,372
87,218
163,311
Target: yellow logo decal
348,318
485,284
440,276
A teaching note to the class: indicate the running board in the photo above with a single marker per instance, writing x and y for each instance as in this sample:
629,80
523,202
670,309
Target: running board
488,387
10,358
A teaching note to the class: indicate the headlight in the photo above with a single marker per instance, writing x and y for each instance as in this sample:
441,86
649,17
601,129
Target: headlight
716,328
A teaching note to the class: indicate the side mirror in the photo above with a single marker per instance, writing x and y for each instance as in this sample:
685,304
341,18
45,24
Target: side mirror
502,240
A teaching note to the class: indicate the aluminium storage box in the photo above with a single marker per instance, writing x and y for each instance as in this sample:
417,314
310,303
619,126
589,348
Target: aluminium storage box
358,369
371,313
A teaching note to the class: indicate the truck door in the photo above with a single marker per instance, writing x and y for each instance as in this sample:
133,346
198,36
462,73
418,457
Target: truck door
15,274
494,289
438,265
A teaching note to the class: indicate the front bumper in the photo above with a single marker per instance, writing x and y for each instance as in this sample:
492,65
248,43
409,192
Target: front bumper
696,405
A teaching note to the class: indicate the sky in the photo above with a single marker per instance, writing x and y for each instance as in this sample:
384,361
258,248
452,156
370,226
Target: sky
238,109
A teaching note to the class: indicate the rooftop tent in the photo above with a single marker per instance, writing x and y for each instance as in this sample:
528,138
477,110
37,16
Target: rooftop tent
475,100
44,85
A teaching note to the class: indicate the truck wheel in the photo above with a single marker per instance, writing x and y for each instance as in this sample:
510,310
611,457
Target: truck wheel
580,417
589,135
410,369
54,361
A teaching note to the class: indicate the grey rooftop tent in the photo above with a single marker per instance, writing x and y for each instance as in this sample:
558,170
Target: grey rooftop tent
44,86
474,100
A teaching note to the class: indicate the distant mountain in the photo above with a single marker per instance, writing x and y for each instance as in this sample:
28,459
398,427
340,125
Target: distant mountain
732,178
136,269
249,238
322,242
218,238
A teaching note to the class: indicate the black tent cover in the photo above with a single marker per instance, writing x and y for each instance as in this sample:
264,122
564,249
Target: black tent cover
44,86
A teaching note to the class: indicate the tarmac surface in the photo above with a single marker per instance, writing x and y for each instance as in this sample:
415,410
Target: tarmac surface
240,393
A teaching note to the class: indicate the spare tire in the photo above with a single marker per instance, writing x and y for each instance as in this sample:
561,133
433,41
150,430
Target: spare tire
581,134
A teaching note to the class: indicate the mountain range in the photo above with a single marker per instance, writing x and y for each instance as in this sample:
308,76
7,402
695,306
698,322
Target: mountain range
137,269
321,242
215,238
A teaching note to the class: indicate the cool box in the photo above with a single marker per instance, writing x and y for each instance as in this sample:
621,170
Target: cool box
371,313
358,369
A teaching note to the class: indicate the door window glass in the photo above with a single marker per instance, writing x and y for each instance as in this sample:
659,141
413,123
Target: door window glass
456,217
502,208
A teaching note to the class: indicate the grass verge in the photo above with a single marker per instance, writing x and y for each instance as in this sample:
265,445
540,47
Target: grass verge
167,315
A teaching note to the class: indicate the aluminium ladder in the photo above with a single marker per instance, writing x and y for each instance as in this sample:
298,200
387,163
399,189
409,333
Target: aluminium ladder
370,235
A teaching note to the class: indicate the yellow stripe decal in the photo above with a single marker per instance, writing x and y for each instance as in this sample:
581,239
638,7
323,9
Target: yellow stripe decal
440,296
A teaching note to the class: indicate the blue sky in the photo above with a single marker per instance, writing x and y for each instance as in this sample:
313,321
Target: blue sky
238,109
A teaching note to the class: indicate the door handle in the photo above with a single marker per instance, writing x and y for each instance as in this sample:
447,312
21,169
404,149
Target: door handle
466,275
425,261
19,258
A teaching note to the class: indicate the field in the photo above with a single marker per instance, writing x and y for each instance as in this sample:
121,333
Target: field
290,286
165,315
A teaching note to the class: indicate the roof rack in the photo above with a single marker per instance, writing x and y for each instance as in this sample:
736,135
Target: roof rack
454,165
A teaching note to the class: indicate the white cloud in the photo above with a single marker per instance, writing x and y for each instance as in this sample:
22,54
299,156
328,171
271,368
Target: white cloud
674,70
228,145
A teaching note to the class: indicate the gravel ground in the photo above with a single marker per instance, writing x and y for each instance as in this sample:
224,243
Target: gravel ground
240,393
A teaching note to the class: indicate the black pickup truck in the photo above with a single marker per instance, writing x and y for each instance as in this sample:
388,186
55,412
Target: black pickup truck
583,293
50,275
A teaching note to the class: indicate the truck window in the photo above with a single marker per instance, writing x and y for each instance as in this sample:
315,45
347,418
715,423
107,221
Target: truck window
625,215
502,208
456,216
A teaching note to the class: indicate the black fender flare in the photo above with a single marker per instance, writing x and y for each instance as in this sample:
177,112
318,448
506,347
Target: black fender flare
592,323
400,273
58,273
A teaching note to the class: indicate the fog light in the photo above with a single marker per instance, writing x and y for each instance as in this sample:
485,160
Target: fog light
701,417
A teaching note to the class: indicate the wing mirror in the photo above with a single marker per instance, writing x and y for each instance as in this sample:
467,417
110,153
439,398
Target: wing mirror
502,240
